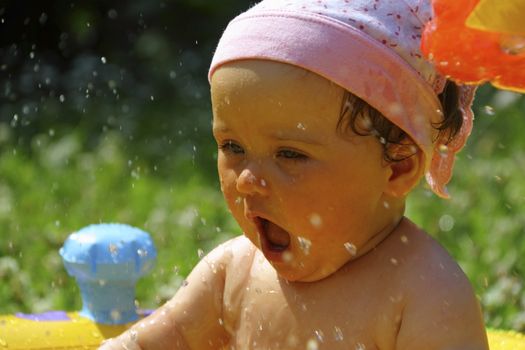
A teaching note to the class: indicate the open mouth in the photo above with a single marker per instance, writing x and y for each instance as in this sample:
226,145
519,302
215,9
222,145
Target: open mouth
273,237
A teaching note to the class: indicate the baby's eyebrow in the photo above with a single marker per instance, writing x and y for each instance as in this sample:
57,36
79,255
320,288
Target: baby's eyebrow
297,137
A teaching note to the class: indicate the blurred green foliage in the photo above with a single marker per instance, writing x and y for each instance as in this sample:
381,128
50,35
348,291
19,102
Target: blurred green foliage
105,117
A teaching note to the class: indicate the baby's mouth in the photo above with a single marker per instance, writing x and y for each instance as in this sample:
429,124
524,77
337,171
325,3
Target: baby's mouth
273,237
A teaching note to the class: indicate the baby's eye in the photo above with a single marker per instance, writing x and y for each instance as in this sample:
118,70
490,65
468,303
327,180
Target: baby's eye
291,154
231,147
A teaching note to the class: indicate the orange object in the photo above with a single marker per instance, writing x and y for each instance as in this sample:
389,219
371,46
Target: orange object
472,50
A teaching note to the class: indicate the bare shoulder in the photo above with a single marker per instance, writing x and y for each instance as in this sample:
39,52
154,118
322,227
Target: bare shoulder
440,310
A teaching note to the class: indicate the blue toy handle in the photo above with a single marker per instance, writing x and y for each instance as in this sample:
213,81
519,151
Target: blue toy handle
107,260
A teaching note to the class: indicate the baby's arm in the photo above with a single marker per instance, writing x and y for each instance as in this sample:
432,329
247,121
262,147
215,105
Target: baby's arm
442,312
191,319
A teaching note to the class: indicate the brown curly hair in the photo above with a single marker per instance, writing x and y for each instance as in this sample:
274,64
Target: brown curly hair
365,120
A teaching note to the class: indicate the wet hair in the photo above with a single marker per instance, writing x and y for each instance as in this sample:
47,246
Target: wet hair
365,120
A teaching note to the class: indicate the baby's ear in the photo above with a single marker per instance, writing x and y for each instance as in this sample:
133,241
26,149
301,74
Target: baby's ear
406,172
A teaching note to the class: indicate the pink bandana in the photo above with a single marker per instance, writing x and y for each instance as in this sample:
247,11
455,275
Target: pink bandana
368,47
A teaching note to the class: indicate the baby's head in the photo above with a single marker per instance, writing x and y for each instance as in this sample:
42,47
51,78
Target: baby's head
326,116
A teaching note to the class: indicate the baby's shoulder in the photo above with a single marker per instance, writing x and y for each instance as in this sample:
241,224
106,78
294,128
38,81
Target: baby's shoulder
438,298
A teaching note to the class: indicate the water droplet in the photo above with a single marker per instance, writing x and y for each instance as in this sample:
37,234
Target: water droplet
404,239
115,315
102,283
184,283
95,334
221,321
142,253
386,204
319,335
488,110
315,220
513,44
238,200
113,249
3,343
338,334
287,257
394,261
263,183
446,223
43,18
360,346
103,60
312,344
133,334
443,149
176,269
301,126
112,14
443,63
351,248
305,244
200,253
382,140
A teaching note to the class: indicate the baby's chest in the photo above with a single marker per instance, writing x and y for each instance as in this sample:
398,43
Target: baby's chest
281,316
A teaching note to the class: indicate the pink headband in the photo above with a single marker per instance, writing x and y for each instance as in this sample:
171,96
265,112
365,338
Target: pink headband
370,48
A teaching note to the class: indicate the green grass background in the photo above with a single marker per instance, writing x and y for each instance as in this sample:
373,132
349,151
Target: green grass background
59,185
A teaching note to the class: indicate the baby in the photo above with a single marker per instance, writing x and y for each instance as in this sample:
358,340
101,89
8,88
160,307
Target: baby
326,117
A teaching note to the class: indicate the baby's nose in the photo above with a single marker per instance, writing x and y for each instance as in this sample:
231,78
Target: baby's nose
251,182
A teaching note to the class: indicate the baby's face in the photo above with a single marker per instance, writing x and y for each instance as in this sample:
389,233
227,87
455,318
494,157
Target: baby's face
309,198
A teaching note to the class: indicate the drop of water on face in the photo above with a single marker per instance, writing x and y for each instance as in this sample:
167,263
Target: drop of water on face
338,334
489,110
221,322
443,63
360,346
305,244
351,248
382,140
301,126
319,335
287,257
142,253
386,205
312,344
238,200
394,261
315,220
263,183
404,239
